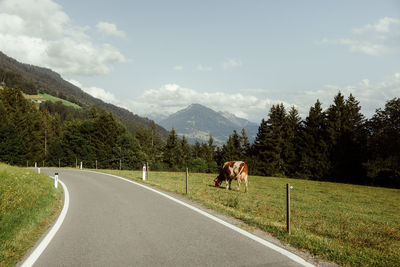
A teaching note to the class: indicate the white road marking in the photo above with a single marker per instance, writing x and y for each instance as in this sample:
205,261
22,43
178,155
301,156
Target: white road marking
46,240
282,251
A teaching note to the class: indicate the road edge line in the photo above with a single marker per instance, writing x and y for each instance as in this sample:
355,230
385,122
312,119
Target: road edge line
46,240
282,251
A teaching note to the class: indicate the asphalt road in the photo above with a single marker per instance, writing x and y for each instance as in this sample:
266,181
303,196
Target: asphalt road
111,222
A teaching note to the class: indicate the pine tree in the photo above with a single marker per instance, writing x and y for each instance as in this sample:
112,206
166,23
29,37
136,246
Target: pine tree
314,149
172,151
345,130
292,140
185,151
259,148
245,145
232,149
383,165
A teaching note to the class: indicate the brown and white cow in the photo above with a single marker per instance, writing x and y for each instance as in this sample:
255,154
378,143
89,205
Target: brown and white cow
233,170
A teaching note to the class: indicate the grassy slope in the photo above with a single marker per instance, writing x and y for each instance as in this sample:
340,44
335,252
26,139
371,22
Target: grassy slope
29,203
53,99
348,224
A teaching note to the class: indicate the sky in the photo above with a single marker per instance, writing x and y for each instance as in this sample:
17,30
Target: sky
157,57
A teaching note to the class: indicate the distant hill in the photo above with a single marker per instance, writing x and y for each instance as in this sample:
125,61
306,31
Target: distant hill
32,78
198,122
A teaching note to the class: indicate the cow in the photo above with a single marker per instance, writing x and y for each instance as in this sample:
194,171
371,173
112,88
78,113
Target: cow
236,170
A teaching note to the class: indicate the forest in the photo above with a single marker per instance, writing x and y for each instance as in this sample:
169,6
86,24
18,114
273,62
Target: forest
337,144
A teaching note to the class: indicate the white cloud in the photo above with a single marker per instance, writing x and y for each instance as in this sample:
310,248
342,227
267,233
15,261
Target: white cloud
172,97
179,67
382,26
231,63
365,47
109,29
41,33
200,67
381,38
254,104
98,93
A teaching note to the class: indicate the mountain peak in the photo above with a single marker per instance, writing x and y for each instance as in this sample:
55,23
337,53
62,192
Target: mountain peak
198,122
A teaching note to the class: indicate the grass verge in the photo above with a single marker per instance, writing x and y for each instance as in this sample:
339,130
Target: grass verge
29,204
348,224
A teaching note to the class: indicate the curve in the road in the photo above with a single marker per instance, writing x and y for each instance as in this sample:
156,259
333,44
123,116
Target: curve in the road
288,254
46,240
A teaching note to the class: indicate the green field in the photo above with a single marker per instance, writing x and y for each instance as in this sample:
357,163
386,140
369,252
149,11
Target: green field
348,224
29,203
52,99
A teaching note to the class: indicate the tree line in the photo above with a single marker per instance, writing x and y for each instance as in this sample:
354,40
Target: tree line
337,144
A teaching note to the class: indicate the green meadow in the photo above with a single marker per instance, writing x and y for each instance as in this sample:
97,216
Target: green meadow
53,99
29,204
351,225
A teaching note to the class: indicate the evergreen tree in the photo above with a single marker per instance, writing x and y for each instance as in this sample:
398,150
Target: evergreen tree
245,145
185,150
259,147
172,156
314,150
345,130
384,145
269,146
292,140
232,149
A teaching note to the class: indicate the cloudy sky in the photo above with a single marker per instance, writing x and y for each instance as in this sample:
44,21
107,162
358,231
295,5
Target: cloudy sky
235,56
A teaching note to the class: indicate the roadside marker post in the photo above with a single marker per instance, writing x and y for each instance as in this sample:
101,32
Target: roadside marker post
147,170
81,165
144,173
35,164
56,180
38,170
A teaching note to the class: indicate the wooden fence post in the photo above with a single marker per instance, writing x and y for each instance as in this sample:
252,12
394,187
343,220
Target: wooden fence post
187,175
288,208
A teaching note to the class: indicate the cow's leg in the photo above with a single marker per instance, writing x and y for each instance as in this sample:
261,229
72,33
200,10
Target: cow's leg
238,188
228,184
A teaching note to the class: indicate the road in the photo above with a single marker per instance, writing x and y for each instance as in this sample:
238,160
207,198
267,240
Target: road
111,222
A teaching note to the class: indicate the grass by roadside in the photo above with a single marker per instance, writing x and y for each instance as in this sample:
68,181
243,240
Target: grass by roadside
348,224
29,204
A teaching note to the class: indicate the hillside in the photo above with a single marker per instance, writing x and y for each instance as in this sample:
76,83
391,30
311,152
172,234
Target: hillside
32,78
198,122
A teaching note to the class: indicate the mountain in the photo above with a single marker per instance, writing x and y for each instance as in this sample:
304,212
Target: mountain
31,79
198,122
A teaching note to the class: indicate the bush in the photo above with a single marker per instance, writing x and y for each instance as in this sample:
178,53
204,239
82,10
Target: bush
198,165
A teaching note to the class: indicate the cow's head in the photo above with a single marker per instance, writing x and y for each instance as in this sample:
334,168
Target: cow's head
217,181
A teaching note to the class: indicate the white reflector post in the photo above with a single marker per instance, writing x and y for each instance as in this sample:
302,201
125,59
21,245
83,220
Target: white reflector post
56,180
38,170
144,172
